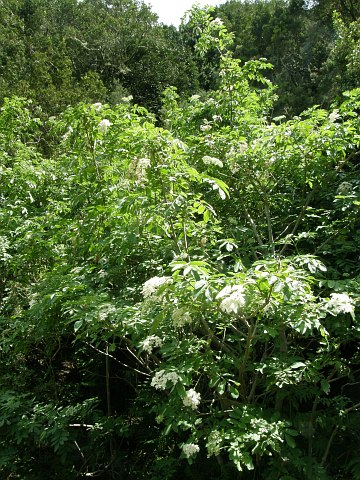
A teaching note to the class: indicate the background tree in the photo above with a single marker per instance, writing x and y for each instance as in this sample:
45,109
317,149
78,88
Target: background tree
62,52
299,39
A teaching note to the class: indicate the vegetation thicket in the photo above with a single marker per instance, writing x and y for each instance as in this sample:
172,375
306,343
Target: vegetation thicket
60,52
178,293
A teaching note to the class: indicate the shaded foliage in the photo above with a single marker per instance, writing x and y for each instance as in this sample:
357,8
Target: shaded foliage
63,52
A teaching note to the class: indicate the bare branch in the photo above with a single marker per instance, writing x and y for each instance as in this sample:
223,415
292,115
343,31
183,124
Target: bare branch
116,360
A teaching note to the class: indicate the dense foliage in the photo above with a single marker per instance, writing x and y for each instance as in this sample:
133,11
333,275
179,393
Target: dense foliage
312,45
60,52
180,301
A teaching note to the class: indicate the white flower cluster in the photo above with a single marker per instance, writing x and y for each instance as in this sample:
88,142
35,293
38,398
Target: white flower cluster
192,399
206,127
106,311
345,188
97,106
217,21
104,125
233,298
141,166
213,444
340,303
161,379
150,286
127,99
181,317
334,115
151,342
243,146
212,161
68,133
190,449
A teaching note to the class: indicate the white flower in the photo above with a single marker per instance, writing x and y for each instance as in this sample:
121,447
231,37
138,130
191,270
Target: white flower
161,379
137,169
150,286
141,166
212,161
97,106
192,399
127,99
104,125
150,343
181,317
340,303
213,444
345,188
144,163
68,133
243,146
190,449
334,115
205,128
105,311
234,299
216,21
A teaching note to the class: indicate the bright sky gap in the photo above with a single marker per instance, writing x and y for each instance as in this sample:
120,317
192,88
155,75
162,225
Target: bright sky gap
170,12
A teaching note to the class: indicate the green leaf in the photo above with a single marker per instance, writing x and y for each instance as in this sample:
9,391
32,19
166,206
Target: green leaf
290,441
78,325
206,216
297,365
157,322
325,386
234,392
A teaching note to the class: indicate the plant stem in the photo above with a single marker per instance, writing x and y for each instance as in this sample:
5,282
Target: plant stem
108,403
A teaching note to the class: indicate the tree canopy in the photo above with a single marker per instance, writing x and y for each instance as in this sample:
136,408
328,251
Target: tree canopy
61,52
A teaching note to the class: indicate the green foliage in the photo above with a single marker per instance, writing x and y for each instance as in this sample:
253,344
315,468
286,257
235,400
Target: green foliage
308,50
180,301
62,52
343,63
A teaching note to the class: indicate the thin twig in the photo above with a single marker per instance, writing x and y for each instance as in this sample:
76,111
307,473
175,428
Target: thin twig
346,160
214,339
299,219
328,446
270,230
253,225
334,432
116,360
